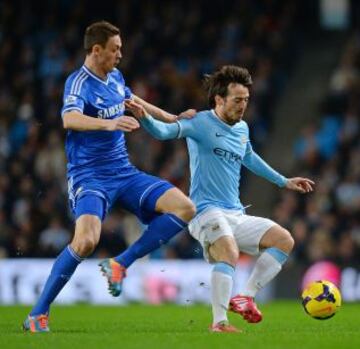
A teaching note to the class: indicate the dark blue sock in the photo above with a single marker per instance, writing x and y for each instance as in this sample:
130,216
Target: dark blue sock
63,268
159,231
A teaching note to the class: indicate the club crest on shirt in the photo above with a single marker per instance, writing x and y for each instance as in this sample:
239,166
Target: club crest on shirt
121,90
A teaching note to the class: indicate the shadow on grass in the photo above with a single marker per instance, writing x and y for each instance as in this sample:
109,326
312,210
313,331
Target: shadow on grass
71,331
20,331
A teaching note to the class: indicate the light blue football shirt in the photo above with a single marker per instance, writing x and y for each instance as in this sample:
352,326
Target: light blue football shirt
217,152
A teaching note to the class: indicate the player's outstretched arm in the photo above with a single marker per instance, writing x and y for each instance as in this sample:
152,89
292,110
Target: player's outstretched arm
74,120
158,129
156,112
257,165
161,114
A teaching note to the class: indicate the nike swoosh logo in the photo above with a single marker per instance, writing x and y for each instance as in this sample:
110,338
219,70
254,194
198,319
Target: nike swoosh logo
219,135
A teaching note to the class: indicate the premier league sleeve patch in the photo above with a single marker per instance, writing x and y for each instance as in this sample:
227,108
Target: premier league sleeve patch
72,102
70,99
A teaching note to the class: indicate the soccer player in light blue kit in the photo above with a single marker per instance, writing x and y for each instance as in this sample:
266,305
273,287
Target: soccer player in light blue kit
99,171
219,145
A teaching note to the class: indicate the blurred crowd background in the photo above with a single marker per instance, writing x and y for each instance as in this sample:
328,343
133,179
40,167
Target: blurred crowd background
167,48
326,224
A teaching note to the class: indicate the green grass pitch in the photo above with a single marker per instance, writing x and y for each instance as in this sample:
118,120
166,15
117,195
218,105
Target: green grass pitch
285,325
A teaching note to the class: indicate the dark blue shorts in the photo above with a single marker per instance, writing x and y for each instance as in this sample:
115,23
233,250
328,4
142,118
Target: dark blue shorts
137,193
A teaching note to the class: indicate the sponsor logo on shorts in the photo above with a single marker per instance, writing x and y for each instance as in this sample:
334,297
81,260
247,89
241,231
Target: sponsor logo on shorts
215,227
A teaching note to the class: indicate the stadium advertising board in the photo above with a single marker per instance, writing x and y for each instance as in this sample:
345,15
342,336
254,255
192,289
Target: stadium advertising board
154,282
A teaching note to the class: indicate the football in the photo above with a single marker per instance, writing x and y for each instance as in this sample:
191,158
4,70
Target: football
321,299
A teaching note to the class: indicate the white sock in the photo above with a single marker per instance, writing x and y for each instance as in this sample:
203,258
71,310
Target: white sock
266,268
221,288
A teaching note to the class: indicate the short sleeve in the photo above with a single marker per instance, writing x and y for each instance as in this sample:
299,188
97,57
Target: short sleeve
74,97
128,93
127,89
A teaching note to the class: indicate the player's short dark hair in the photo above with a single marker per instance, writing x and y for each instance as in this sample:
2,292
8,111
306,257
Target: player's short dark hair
217,83
99,33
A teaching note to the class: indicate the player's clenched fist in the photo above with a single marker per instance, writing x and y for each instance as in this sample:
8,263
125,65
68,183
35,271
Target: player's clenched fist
123,123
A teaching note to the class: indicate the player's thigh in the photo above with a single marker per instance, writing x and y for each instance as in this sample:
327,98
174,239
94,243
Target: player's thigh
149,196
248,232
91,196
174,200
208,228
139,194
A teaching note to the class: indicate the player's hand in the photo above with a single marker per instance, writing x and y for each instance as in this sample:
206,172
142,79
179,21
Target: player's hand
300,184
187,114
137,109
123,123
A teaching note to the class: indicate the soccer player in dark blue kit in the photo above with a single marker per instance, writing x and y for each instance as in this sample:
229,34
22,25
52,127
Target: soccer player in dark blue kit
100,173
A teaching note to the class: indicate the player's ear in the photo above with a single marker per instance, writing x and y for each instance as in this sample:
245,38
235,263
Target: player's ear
96,48
219,100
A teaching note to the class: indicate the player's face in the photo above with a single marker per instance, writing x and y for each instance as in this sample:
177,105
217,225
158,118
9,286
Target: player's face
235,103
109,56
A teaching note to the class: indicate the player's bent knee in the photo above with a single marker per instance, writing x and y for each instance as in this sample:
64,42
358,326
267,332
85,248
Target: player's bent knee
286,242
229,258
232,257
224,251
186,211
175,202
190,211
87,235
291,243
84,246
